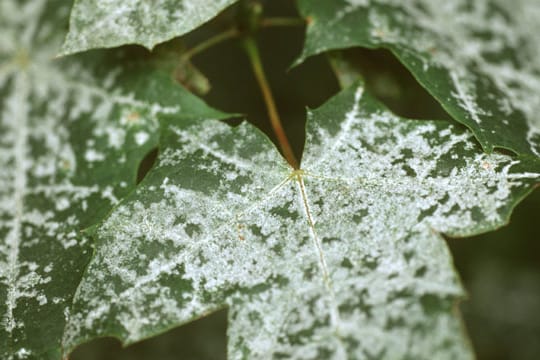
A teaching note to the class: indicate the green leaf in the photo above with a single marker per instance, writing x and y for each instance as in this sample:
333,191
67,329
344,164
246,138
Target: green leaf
98,24
479,59
72,134
341,259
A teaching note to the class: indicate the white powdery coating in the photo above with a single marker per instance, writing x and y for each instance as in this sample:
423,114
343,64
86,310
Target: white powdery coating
108,23
339,260
488,50
56,122
525,18
519,82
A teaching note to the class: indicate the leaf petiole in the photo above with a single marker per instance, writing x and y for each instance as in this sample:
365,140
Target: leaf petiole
254,56
282,21
214,40
234,32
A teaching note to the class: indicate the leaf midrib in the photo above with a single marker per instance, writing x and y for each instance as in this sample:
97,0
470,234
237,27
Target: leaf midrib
20,126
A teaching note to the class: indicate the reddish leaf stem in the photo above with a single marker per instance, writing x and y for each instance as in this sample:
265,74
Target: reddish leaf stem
255,59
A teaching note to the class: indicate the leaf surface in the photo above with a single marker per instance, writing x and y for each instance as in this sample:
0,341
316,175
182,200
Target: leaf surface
480,59
72,134
341,259
98,24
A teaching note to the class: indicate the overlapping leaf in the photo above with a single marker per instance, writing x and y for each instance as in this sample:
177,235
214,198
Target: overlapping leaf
72,134
480,59
341,259
98,24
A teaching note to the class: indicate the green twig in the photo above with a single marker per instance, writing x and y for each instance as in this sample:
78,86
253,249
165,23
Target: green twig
232,33
282,21
214,40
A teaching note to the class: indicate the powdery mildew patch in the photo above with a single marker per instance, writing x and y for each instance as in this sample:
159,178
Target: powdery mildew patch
341,259
70,145
483,55
99,23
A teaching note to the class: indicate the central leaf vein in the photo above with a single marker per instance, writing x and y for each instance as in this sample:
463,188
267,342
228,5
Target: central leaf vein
334,312
19,125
